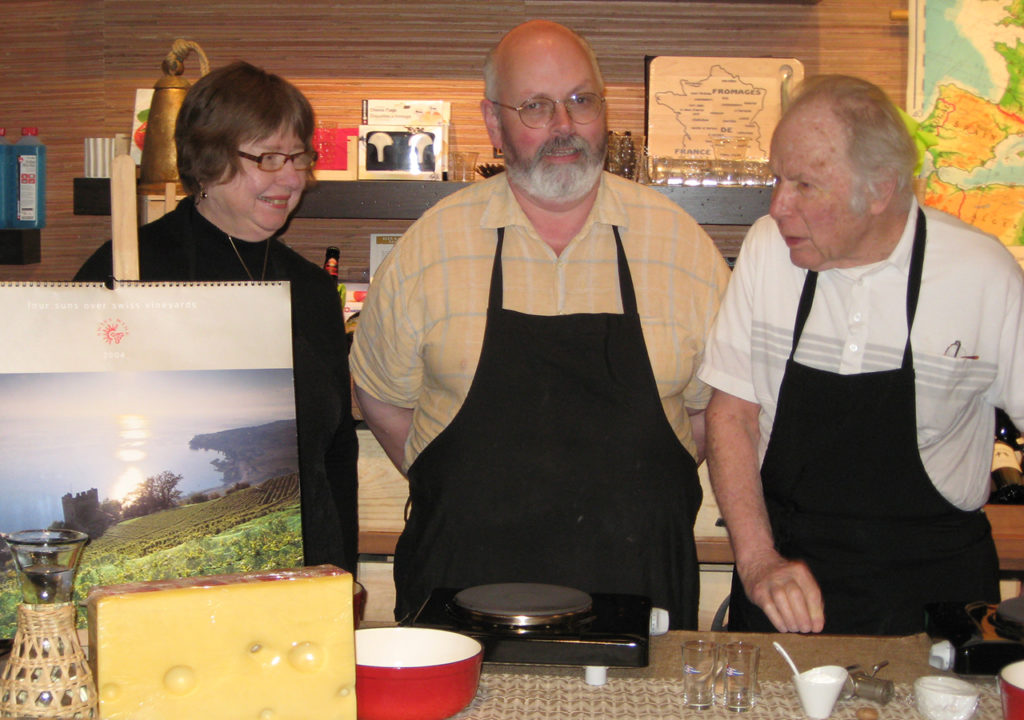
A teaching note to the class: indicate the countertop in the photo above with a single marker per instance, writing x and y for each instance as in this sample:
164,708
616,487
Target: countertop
552,693
537,692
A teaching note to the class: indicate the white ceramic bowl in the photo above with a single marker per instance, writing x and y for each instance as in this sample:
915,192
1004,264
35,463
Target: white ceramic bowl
945,698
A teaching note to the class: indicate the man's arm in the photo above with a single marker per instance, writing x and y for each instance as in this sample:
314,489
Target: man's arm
784,589
390,424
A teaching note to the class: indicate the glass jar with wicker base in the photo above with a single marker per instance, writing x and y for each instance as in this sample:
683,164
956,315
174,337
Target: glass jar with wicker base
47,675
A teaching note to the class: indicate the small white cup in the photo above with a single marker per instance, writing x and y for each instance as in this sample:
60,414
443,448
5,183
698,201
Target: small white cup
819,689
938,697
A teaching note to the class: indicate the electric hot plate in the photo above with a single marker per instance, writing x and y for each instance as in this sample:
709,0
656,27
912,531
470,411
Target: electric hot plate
539,624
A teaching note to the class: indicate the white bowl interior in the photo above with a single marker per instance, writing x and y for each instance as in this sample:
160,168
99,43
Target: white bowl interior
412,647
941,685
1014,674
945,698
825,674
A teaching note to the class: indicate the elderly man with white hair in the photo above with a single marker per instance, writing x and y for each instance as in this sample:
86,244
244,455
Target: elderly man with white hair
862,347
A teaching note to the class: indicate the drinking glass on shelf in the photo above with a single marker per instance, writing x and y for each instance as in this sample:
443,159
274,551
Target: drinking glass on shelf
462,166
622,155
730,154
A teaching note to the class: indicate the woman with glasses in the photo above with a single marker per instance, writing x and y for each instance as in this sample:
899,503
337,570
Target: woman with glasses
244,146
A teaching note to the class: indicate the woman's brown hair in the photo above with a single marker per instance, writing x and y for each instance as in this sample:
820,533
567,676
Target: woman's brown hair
227,107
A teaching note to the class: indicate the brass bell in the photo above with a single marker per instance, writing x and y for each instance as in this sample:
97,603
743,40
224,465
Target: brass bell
159,157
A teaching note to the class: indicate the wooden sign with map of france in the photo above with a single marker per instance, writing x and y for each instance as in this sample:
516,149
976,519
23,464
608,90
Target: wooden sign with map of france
699,106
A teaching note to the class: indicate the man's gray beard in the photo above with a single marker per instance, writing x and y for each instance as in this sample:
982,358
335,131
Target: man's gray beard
565,183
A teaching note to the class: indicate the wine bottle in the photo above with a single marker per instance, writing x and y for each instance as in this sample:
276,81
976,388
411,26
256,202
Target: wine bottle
1007,479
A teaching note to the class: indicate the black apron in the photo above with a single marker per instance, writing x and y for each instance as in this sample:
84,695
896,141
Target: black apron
561,467
846,492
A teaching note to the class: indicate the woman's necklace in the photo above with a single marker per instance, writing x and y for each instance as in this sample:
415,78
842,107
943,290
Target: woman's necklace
266,256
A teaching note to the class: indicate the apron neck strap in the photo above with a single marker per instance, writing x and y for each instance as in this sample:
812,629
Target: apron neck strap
913,291
803,309
628,294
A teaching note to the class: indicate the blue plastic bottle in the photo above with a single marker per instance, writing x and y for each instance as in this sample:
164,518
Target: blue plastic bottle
6,179
29,162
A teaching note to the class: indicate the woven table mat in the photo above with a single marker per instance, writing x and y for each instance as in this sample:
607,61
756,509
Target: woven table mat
504,696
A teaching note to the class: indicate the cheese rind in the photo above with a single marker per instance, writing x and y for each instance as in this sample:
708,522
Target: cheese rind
248,646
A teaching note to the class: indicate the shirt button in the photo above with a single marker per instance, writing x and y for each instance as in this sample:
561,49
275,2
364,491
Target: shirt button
854,347
856,317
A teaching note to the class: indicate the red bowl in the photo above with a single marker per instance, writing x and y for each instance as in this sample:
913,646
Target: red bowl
414,673
1011,688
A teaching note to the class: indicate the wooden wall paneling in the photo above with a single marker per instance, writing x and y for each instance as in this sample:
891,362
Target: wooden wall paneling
52,74
71,68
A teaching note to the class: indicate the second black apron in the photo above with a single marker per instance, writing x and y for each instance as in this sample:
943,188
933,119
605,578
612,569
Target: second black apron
561,467
846,492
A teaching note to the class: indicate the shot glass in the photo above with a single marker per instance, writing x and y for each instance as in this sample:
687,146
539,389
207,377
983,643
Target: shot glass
700,657
741,660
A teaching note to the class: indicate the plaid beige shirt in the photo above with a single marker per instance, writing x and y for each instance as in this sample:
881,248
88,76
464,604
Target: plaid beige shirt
422,325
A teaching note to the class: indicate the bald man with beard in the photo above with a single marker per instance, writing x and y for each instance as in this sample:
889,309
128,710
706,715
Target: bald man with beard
527,355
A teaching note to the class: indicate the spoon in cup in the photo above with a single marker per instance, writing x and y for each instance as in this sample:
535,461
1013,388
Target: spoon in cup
786,657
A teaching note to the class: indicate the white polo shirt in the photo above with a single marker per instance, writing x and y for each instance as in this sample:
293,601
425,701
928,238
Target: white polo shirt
968,338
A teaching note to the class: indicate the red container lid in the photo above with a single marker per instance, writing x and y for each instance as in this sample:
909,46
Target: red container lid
29,131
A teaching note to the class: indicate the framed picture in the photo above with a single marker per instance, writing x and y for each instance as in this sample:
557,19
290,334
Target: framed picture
397,152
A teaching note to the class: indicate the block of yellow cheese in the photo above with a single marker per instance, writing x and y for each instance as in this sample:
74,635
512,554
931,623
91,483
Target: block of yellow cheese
275,645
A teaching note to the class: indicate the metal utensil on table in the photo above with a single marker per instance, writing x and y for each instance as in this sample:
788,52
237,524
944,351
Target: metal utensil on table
861,685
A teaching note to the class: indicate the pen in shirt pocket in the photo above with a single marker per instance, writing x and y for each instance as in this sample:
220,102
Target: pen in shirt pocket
953,350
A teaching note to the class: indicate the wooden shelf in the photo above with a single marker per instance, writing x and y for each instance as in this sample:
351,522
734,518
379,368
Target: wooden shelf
408,199
709,549
1007,530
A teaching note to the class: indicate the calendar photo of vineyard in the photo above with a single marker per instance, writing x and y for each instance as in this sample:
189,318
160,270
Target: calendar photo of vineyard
172,473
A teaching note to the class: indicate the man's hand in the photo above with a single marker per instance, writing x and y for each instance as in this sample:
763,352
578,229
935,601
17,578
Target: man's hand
787,593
